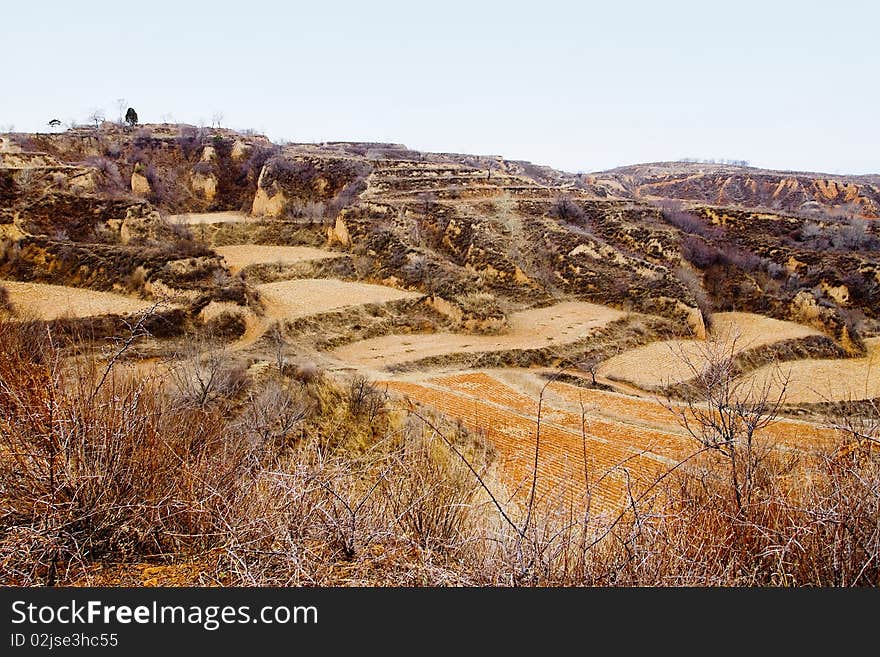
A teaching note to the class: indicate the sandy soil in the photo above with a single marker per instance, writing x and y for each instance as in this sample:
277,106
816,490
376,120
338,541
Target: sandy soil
662,363
309,296
49,302
540,327
815,381
207,218
240,256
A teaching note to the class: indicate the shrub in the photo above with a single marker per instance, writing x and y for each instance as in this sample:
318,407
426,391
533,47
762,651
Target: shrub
97,467
565,209
110,180
5,301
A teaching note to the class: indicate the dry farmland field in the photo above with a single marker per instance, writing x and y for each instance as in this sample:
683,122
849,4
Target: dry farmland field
539,327
670,361
240,256
619,444
48,302
310,296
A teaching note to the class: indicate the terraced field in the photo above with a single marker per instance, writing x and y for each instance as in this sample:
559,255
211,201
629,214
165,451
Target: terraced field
310,296
195,218
48,302
816,381
242,255
538,327
626,443
667,363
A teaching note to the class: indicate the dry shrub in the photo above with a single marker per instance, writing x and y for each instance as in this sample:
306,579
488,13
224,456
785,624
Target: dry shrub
5,301
202,376
92,470
481,305
364,398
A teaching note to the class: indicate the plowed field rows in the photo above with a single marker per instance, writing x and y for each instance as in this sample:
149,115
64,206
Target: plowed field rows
629,440
483,386
561,461
615,404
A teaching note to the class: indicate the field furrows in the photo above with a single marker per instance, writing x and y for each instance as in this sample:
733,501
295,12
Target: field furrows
483,386
509,419
561,454
614,405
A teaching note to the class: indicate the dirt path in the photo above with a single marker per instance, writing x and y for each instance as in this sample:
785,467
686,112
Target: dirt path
48,302
816,381
240,256
539,327
663,363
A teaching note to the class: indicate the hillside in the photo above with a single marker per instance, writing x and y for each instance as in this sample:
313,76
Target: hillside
90,208
354,363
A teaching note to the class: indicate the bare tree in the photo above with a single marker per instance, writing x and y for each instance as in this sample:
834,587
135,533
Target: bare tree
724,412
97,116
591,364
204,376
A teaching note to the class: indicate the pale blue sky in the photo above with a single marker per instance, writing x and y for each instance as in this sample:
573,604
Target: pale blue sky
581,86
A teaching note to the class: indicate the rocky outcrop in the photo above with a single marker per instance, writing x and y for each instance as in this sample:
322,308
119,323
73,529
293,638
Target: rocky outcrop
727,185
139,184
205,185
269,201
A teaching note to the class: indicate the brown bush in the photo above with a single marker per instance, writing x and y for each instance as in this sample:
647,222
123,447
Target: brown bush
92,470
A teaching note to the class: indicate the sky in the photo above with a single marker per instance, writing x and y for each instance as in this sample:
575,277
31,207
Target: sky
580,86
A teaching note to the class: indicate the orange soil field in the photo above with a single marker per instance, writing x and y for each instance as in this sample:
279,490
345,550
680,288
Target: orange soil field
508,418
561,455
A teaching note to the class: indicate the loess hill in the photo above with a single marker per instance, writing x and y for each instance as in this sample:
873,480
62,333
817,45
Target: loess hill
302,322
478,237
